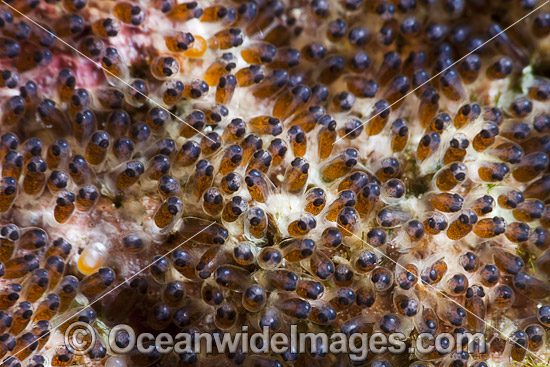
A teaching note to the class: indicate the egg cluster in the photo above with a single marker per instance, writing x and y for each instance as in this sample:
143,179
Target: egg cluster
341,165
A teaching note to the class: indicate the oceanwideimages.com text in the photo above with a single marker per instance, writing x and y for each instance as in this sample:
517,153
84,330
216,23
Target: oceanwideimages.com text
80,339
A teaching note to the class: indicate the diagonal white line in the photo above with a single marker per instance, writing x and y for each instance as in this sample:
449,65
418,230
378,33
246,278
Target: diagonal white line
447,68
104,69
50,332
438,291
